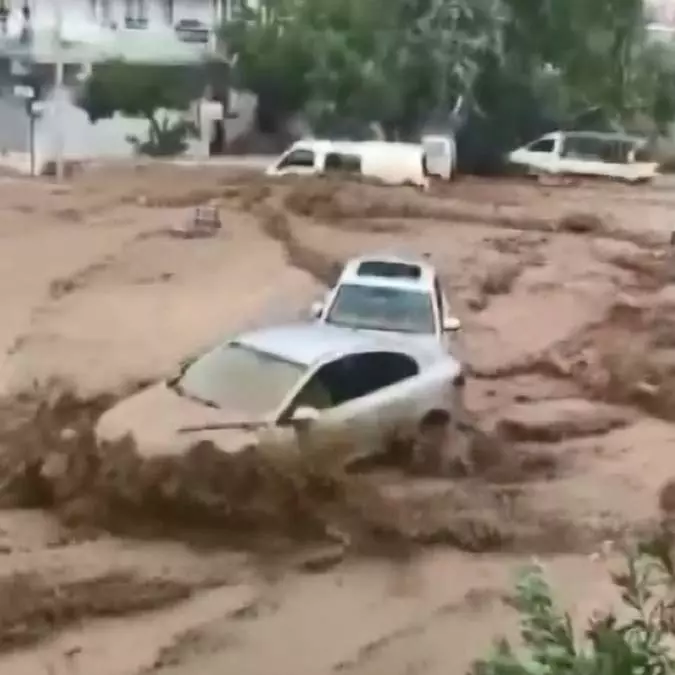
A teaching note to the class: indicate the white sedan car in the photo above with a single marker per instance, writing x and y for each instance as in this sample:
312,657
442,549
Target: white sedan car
340,390
389,294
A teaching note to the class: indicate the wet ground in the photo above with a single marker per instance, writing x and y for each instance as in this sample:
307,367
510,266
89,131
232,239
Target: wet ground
567,307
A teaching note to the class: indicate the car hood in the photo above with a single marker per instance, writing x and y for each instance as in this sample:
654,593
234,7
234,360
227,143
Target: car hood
518,155
155,417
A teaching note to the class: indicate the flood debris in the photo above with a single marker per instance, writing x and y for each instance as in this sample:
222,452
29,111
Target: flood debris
204,223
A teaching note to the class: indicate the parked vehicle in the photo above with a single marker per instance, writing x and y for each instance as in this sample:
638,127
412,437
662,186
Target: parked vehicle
271,388
588,153
391,163
387,294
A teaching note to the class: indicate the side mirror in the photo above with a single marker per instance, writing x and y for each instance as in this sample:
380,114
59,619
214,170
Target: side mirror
451,324
316,309
303,416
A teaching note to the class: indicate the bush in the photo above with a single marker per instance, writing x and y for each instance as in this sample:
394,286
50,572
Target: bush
636,643
166,139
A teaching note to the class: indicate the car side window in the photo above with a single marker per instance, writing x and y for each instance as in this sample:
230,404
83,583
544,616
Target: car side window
544,145
298,158
352,377
336,161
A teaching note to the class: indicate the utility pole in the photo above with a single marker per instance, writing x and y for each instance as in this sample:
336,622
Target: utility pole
59,92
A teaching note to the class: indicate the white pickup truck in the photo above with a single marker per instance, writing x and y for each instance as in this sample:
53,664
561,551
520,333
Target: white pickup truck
389,294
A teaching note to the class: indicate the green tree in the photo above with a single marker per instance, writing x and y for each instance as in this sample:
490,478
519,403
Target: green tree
140,90
521,65
389,61
599,50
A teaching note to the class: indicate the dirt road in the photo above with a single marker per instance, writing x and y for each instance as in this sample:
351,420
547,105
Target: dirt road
568,311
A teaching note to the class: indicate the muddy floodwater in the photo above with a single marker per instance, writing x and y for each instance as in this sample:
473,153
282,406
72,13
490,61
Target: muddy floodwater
566,297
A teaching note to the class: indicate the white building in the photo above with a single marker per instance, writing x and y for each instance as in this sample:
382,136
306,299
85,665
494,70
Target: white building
661,12
161,30
151,31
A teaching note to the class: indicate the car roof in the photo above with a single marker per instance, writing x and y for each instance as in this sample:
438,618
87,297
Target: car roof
327,146
307,343
425,281
599,135
355,147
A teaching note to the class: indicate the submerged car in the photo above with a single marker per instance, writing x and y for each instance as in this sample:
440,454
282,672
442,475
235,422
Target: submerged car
588,153
389,294
391,163
274,387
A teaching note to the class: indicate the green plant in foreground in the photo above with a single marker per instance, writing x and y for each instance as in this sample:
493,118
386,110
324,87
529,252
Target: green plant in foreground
635,641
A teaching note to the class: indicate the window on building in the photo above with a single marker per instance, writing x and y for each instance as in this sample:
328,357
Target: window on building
136,13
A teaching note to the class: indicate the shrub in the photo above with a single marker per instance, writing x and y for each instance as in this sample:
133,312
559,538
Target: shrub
634,643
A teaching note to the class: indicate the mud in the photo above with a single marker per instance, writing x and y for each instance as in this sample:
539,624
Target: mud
35,609
567,307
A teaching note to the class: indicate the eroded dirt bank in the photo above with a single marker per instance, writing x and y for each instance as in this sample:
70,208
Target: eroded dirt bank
566,300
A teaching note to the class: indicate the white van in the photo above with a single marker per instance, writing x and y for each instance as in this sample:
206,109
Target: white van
392,163
588,153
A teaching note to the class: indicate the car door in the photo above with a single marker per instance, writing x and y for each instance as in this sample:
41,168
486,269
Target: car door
540,155
391,394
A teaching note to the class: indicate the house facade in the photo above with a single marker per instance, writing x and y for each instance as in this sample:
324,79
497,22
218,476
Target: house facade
34,34
92,30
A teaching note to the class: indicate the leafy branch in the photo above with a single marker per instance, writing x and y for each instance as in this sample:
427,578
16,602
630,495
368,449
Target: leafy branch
636,642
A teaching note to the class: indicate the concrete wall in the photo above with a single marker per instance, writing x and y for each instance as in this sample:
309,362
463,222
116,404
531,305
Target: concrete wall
106,138
13,125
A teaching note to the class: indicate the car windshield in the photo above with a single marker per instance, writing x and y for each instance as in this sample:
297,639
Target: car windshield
382,308
236,377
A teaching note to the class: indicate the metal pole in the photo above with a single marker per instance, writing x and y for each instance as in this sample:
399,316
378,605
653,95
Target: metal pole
58,90
31,126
